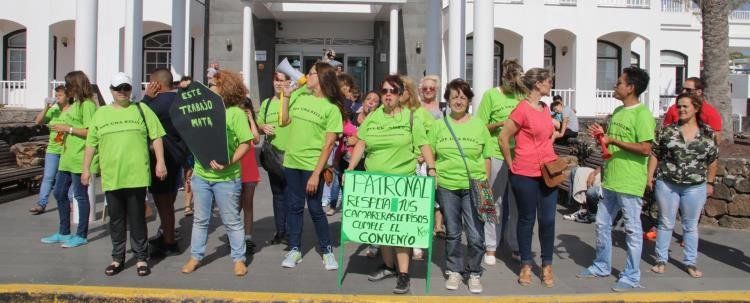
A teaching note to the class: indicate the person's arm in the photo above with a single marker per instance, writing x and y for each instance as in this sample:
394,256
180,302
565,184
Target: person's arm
638,148
161,168
40,117
357,152
488,167
428,156
564,124
711,177
236,157
66,128
88,155
509,130
312,183
253,129
652,163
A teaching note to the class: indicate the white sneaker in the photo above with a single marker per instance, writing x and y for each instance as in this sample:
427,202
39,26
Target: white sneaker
475,286
454,280
489,260
329,261
573,216
292,258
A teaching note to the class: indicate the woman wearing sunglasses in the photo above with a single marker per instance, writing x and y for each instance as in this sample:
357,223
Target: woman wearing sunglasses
313,113
222,182
75,123
390,135
121,132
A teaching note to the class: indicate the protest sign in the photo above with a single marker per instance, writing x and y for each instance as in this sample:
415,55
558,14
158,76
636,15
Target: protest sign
200,118
390,210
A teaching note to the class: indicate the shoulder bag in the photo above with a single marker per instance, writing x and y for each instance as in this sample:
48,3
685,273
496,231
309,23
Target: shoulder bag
480,191
271,158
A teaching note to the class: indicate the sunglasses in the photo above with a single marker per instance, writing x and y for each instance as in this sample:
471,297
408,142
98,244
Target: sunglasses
426,88
385,91
689,90
122,88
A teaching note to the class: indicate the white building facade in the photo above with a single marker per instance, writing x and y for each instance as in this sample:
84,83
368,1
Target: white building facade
585,42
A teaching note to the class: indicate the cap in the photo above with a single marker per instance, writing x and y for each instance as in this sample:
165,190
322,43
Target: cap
120,79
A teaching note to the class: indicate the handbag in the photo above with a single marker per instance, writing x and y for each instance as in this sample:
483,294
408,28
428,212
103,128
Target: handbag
271,158
480,191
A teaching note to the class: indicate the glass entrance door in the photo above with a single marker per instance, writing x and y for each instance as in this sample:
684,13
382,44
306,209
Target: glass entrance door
359,68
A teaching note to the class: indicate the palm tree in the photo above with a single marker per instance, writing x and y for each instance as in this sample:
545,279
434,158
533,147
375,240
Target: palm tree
715,17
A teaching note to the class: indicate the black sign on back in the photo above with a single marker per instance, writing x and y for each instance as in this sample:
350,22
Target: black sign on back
200,118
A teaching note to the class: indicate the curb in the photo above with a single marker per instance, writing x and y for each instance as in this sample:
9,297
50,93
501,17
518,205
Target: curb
67,293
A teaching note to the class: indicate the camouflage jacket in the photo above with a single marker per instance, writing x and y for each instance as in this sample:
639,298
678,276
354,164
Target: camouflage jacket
684,162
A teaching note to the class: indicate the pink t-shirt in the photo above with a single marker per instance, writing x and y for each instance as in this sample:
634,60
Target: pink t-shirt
350,130
533,139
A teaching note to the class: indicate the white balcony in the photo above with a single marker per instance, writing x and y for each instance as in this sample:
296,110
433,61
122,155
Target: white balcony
509,1
13,93
568,96
679,6
624,3
561,2
739,17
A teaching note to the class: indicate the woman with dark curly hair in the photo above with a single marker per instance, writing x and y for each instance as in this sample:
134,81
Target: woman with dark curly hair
222,182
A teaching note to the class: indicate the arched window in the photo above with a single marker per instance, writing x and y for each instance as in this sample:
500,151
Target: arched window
673,71
608,57
157,52
14,67
635,59
549,58
497,61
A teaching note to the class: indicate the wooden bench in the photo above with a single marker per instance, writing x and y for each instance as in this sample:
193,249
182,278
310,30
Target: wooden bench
11,174
588,157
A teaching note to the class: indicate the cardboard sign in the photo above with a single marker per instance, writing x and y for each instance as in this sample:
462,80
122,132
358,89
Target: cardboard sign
390,210
200,118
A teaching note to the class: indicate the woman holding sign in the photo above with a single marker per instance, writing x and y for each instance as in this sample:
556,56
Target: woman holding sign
221,182
314,113
463,148
390,135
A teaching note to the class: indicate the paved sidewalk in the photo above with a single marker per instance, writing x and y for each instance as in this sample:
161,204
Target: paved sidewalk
723,258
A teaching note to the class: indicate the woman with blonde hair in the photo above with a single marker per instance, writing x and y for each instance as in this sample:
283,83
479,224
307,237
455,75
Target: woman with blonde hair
221,182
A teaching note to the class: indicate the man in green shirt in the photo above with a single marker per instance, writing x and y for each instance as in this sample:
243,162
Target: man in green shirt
121,133
629,136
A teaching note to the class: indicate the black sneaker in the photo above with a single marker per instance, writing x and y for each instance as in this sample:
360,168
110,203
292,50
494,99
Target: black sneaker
402,284
381,273
249,247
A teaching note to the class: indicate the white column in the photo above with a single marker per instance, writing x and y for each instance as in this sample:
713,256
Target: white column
483,48
188,40
249,69
585,71
532,49
653,67
393,45
134,44
178,38
86,28
38,59
433,46
456,39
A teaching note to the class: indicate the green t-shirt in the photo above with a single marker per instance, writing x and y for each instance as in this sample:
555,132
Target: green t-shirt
476,143
625,172
272,117
119,136
78,115
312,118
496,106
391,141
238,131
52,117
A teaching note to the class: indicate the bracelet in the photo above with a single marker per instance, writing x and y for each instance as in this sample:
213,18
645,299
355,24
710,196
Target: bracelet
431,168
70,131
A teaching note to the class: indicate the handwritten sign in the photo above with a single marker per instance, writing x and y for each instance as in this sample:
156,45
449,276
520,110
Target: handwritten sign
388,209
200,118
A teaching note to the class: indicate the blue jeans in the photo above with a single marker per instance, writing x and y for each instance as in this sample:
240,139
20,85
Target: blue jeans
278,185
51,162
459,212
533,199
63,183
227,197
631,212
296,195
689,199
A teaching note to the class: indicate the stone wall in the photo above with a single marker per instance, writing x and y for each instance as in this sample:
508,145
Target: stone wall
17,125
729,206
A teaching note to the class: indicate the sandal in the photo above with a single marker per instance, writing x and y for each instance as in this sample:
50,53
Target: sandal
659,268
113,269
694,272
143,270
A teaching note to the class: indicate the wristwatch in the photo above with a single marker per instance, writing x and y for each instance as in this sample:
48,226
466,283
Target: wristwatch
70,131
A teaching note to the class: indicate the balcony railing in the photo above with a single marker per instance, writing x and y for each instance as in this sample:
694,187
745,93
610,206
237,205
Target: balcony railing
679,6
509,1
568,96
740,16
12,93
624,3
561,2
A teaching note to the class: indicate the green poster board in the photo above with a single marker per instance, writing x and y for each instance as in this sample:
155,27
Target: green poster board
386,209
